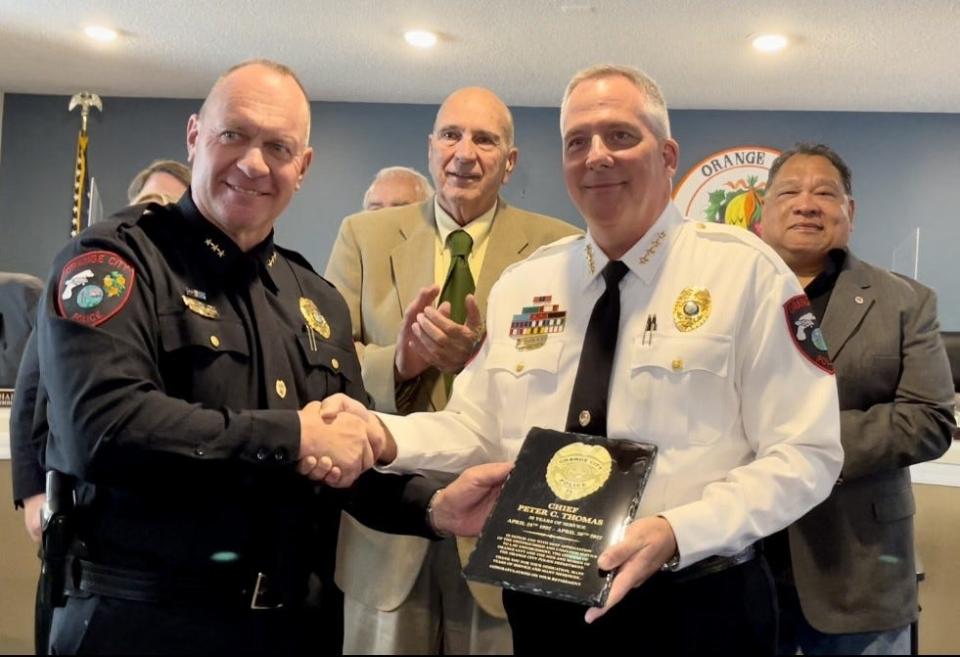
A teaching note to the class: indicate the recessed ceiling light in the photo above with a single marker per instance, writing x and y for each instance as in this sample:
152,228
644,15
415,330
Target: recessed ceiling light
420,38
100,33
770,42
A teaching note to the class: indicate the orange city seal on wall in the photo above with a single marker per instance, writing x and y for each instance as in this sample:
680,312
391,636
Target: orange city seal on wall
727,187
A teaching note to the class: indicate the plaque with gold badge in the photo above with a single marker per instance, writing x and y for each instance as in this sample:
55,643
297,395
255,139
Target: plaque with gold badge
568,499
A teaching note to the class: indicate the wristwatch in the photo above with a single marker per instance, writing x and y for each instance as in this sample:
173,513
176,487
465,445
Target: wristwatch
430,523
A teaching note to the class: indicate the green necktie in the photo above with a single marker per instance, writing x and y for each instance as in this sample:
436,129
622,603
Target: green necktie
459,282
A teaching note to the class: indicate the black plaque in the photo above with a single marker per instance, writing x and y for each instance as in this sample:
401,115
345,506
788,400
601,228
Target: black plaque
568,498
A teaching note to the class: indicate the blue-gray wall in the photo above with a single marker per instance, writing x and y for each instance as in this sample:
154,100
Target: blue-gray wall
906,168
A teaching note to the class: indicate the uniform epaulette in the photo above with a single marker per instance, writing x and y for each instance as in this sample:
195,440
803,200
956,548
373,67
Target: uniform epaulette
726,233
121,220
131,214
297,258
545,250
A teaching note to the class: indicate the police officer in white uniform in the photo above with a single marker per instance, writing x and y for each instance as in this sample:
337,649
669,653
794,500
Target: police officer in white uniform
718,362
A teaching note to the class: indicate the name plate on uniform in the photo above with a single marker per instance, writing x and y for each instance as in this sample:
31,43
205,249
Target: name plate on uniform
568,498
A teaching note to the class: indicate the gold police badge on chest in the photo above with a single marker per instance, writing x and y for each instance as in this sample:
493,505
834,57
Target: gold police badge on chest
691,309
578,470
315,321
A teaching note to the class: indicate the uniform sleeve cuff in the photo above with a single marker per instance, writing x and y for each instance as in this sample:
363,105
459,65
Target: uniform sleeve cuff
274,438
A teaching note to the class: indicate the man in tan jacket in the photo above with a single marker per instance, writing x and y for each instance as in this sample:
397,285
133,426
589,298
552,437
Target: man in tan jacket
406,594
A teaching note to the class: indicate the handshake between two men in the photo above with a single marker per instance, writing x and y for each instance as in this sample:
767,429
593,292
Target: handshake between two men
340,439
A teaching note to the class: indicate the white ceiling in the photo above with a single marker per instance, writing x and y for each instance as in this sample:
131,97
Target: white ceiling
883,55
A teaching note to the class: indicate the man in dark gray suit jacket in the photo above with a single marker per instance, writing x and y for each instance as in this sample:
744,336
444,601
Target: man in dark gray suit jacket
845,571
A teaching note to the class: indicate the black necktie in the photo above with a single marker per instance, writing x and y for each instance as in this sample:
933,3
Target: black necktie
588,404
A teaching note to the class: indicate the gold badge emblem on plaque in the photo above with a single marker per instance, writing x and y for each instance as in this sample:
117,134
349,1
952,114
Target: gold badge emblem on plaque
578,470
316,321
201,308
691,309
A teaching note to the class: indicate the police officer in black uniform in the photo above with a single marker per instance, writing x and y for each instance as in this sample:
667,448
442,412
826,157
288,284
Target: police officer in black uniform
184,354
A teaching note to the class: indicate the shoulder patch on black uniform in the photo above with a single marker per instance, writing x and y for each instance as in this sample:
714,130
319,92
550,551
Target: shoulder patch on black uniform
804,329
94,286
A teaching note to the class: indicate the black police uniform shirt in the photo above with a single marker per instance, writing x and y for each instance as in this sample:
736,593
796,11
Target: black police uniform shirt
175,364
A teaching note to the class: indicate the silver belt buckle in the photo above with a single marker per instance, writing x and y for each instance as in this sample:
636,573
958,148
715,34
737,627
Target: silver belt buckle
260,590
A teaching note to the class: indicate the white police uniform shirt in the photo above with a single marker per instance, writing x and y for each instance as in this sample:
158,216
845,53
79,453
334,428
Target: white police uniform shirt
747,425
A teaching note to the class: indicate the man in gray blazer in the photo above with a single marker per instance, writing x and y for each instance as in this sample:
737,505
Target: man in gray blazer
845,571
404,594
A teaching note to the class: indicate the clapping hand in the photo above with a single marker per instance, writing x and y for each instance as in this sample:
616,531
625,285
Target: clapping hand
429,338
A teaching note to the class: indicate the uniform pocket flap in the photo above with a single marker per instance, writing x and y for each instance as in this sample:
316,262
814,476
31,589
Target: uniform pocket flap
681,353
504,355
185,328
330,356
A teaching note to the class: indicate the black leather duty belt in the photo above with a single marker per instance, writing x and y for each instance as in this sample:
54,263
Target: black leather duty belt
712,565
253,592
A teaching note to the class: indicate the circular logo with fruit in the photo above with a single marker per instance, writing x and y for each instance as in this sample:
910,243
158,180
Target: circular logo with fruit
727,187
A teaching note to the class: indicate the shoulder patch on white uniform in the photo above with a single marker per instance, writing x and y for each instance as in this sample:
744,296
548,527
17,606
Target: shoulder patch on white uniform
804,329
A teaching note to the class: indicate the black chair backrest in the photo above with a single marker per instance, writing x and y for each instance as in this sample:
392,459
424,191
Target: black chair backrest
951,340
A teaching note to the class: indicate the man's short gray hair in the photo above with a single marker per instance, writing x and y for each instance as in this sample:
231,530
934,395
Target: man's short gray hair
654,106
424,189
